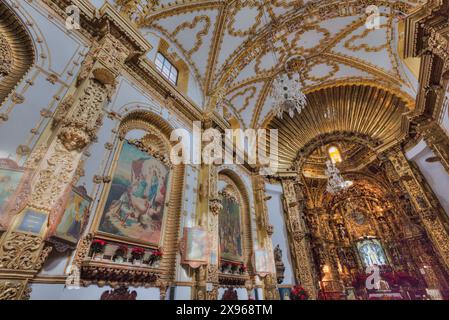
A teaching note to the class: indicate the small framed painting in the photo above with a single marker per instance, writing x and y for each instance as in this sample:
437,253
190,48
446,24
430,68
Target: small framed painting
262,262
76,213
195,247
32,221
9,183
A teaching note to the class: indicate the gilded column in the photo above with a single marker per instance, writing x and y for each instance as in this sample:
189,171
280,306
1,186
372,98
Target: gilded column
299,237
264,232
437,140
215,207
422,203
209,206
55,166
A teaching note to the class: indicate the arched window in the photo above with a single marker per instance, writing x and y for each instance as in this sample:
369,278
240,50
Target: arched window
335,154
166,68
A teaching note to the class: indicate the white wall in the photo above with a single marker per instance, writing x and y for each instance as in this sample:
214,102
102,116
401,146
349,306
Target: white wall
280,236
434,173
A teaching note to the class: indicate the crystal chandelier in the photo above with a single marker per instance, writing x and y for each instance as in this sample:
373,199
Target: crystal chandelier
335,182
286,92
287,95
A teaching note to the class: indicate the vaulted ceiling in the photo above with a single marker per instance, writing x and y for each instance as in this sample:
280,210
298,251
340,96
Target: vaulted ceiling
361,114
235,48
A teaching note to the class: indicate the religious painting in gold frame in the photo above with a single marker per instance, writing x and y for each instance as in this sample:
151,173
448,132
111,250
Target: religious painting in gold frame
75,216
134,203
230,226
10,180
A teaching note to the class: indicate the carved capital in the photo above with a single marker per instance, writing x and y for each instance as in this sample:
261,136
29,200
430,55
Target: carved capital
215,206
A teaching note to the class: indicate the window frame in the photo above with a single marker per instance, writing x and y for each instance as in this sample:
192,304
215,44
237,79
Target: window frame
167,68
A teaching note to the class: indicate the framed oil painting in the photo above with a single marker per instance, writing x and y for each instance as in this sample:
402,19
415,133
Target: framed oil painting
371,253
135,203
74,217
9,182
231,246
195,248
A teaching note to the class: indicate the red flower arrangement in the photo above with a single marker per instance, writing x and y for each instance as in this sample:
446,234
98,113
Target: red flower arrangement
224,265
243,268
98,246
121,251
156,255
299,293
137,253
235,266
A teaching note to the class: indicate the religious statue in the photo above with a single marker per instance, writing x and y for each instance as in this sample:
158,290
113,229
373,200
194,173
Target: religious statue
280,268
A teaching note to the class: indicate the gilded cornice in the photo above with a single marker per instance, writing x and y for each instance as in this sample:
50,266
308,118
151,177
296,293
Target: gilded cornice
426,36
95,22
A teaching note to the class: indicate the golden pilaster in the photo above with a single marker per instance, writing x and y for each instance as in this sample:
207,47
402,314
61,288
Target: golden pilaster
437,140
299,240
422,202
264,232
55,164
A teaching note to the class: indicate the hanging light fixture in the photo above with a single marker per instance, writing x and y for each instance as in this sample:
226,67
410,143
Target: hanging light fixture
287,95
335,182
286,92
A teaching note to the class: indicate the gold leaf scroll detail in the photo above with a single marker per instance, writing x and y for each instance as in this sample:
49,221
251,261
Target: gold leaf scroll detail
5,56
199,36
20,251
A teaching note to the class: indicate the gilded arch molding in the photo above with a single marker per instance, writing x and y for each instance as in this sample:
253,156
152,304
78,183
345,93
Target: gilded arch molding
231,178
156,142
343,111
17,53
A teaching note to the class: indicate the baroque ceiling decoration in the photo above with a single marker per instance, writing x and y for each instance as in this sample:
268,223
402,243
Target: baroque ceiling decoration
226,44
17,52
341,112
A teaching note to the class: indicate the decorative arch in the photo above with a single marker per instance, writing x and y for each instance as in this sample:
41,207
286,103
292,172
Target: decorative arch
342,111
234,187
17,53
153,191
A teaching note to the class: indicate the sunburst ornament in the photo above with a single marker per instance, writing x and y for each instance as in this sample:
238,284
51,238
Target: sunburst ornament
287,95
